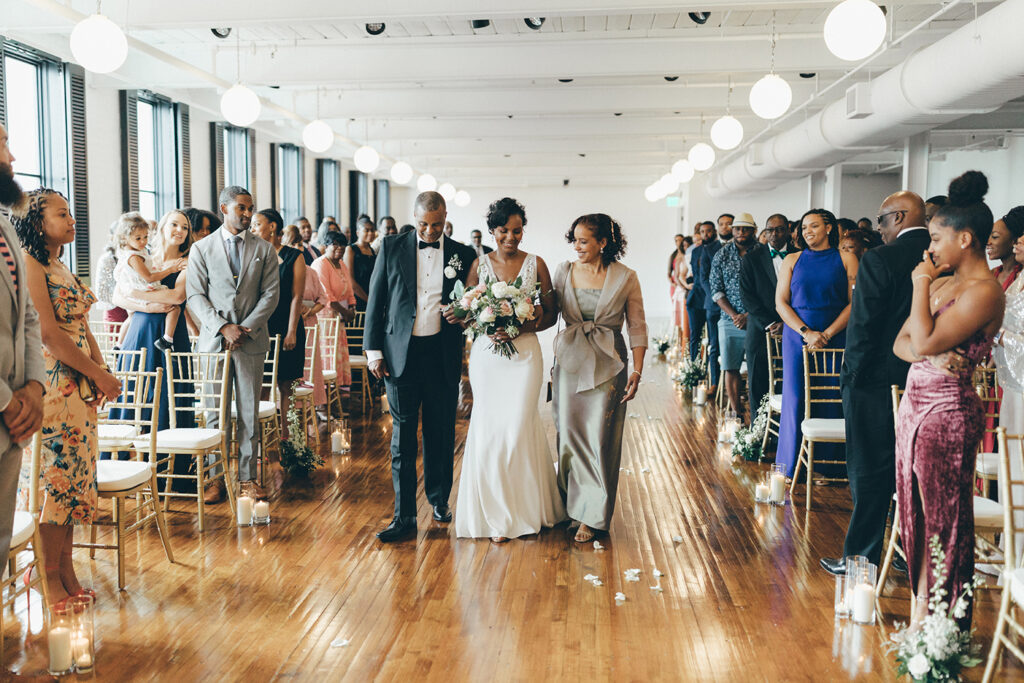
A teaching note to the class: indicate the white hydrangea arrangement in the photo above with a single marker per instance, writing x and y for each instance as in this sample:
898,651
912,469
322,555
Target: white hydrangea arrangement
747,441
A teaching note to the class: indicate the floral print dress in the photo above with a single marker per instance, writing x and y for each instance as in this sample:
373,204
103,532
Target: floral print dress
67,468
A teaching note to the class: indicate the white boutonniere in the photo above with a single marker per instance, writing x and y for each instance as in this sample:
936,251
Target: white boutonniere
453,267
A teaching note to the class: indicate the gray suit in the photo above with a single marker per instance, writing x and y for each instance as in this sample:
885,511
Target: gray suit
216,298
21,361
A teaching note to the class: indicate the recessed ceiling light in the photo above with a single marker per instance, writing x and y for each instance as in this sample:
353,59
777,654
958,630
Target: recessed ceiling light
221,33
700,18
618,113
671,78
480,23
565,80
534,22
375,29
807,74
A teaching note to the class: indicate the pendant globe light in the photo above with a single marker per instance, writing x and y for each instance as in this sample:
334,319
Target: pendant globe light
366,159
771,96
98,44
317,136
702,156
727,131
401,172
426,183
651,193
854,29
682,171
239,105
667,184
462,198
447,190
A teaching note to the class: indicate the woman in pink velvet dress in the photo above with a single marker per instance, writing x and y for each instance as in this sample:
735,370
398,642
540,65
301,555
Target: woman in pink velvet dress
339,295
941,419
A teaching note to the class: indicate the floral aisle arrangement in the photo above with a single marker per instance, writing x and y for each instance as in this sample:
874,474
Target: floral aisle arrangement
661,344
747,441
495,305
939,650
691,374
297,458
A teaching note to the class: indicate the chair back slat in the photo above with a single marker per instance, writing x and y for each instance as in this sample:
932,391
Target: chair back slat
270,366
897,395
822,371
196,383
126,361
1011,478
106,333
329,338
138,405
354,333
312,341
774,363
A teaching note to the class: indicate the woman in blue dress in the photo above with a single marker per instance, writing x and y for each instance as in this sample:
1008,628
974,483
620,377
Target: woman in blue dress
172,241
813,299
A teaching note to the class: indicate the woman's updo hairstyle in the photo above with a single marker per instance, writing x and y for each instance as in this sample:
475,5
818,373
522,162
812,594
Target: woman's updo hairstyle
274,217
828,218
500,211
604,228
966,209
1014,220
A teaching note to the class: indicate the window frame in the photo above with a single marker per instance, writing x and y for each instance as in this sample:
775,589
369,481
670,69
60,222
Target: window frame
328,189
288,180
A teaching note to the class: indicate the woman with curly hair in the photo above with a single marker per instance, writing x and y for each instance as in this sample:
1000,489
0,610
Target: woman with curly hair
77,380
591,377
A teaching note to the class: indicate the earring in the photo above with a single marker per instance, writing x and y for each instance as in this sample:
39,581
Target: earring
963,246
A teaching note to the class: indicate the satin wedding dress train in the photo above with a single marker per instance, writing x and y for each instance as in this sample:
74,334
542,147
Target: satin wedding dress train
508,486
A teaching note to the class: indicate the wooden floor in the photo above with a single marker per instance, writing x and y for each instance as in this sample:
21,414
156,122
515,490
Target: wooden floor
314,596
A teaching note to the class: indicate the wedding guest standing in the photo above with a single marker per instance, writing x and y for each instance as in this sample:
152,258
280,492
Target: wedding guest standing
881,301
940,420
359,259
67,470
476,240
759,276
679,275
855,243
591,377
309,252
696,313
286,320
232,284
813,300
105,283
1005,233
339,296
711,310
202,223
22,368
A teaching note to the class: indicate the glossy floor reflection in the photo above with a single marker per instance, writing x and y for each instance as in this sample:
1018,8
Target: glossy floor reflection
314,597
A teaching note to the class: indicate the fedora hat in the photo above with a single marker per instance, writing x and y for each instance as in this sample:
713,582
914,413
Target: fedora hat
744,220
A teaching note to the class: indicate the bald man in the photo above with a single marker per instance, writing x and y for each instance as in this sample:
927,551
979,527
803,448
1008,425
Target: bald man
881,303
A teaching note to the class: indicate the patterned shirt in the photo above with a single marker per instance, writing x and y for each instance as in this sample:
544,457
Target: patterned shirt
725,276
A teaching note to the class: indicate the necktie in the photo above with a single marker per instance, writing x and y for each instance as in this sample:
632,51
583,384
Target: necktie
233,256
777,253
6,252
430,245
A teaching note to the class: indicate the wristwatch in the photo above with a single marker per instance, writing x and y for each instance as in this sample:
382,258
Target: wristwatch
803,328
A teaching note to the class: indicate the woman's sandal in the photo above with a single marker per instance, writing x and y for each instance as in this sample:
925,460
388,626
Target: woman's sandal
499,539
584,534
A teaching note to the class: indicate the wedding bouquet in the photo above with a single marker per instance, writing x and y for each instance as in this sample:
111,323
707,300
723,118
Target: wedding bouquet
495,305
691,374
747,441
939,650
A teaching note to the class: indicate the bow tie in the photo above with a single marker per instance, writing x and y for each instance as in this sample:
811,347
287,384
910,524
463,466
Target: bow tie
430,245
777,253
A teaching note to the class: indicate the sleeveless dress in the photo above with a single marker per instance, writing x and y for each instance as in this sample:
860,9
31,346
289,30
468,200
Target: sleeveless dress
291,364
508,485
940,424
362,269
818,292
67,467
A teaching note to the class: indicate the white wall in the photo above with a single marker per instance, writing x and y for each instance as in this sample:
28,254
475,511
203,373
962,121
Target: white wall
1004,169
862,195
790,199
103,154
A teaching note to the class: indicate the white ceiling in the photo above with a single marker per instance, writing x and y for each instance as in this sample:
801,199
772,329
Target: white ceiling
485,106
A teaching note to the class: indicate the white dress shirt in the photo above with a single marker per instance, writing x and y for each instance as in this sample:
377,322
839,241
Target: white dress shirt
429,283
906,230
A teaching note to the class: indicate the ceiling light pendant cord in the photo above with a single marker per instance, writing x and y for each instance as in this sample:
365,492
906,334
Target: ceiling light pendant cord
728,98
771,68
238,56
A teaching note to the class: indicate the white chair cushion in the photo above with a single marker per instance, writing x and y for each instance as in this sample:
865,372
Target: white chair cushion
775,401
330,374
267,409
988,465
121,475
24,525
303,390
116,435
357,361
185,438
987,513
824,428
1017,586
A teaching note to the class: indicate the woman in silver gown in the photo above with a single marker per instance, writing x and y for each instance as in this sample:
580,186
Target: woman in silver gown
591,378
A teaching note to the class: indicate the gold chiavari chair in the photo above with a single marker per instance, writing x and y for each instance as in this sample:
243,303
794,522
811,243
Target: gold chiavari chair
330,341
774,387
302,397
1012,588
893,546
107,334
357,360
986,383
117,435
822,369
138,408
25,538
197,382
268,420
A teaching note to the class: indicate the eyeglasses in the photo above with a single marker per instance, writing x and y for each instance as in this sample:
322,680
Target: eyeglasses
880,217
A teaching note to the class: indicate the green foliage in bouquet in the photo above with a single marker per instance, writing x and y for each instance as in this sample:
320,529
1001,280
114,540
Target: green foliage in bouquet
297,458
747,441
692,373
494,305
939,650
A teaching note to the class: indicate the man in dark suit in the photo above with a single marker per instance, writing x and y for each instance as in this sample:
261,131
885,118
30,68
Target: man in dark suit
711,309
881,303
476,240
418,351
695,298
759,276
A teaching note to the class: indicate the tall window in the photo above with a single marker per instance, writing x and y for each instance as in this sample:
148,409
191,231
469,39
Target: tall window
328,189
236,157
157,164
289,181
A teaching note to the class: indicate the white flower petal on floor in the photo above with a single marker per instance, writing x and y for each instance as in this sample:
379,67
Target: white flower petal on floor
677,539
657,573
646,470
657,588
626,470
620,598
597,582
632,575
590,577
340,642
598,546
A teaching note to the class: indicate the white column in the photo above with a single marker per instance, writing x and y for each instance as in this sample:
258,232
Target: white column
833,189
816,190
915,163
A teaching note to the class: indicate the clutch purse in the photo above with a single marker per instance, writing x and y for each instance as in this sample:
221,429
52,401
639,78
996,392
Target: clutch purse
86,389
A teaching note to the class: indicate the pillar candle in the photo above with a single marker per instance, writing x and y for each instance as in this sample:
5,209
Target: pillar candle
336,441
701,395
863,607
778,491
244,510
761,492
262,509
59,641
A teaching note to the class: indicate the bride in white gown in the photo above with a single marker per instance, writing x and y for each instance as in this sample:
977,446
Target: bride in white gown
508,486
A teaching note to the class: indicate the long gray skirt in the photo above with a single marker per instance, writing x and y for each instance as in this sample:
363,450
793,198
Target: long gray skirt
589,441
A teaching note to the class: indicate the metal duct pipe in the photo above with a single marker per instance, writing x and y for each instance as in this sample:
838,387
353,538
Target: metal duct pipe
975,69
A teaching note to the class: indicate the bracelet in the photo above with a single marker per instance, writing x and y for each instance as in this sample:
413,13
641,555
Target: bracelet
637,373
922,275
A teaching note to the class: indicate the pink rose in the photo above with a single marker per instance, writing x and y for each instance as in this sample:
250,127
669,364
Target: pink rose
506,308
465,302
480,288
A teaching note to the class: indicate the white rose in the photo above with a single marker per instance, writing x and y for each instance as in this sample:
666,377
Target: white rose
450,272
476,304
512,291
499,289
918,666
486,315
524,309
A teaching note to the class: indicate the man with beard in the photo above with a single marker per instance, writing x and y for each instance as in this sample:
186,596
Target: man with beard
711,309
22,370
725,292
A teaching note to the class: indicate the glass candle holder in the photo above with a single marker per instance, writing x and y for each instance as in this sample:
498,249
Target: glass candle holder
842,607
244,510
346,440
700,394
83,634
59,638
861,591
777,484
261,512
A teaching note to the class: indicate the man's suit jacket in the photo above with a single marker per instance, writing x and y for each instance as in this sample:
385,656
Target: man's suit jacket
707,256
21,356
697,296
757,287
881,304
215,299
391,306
